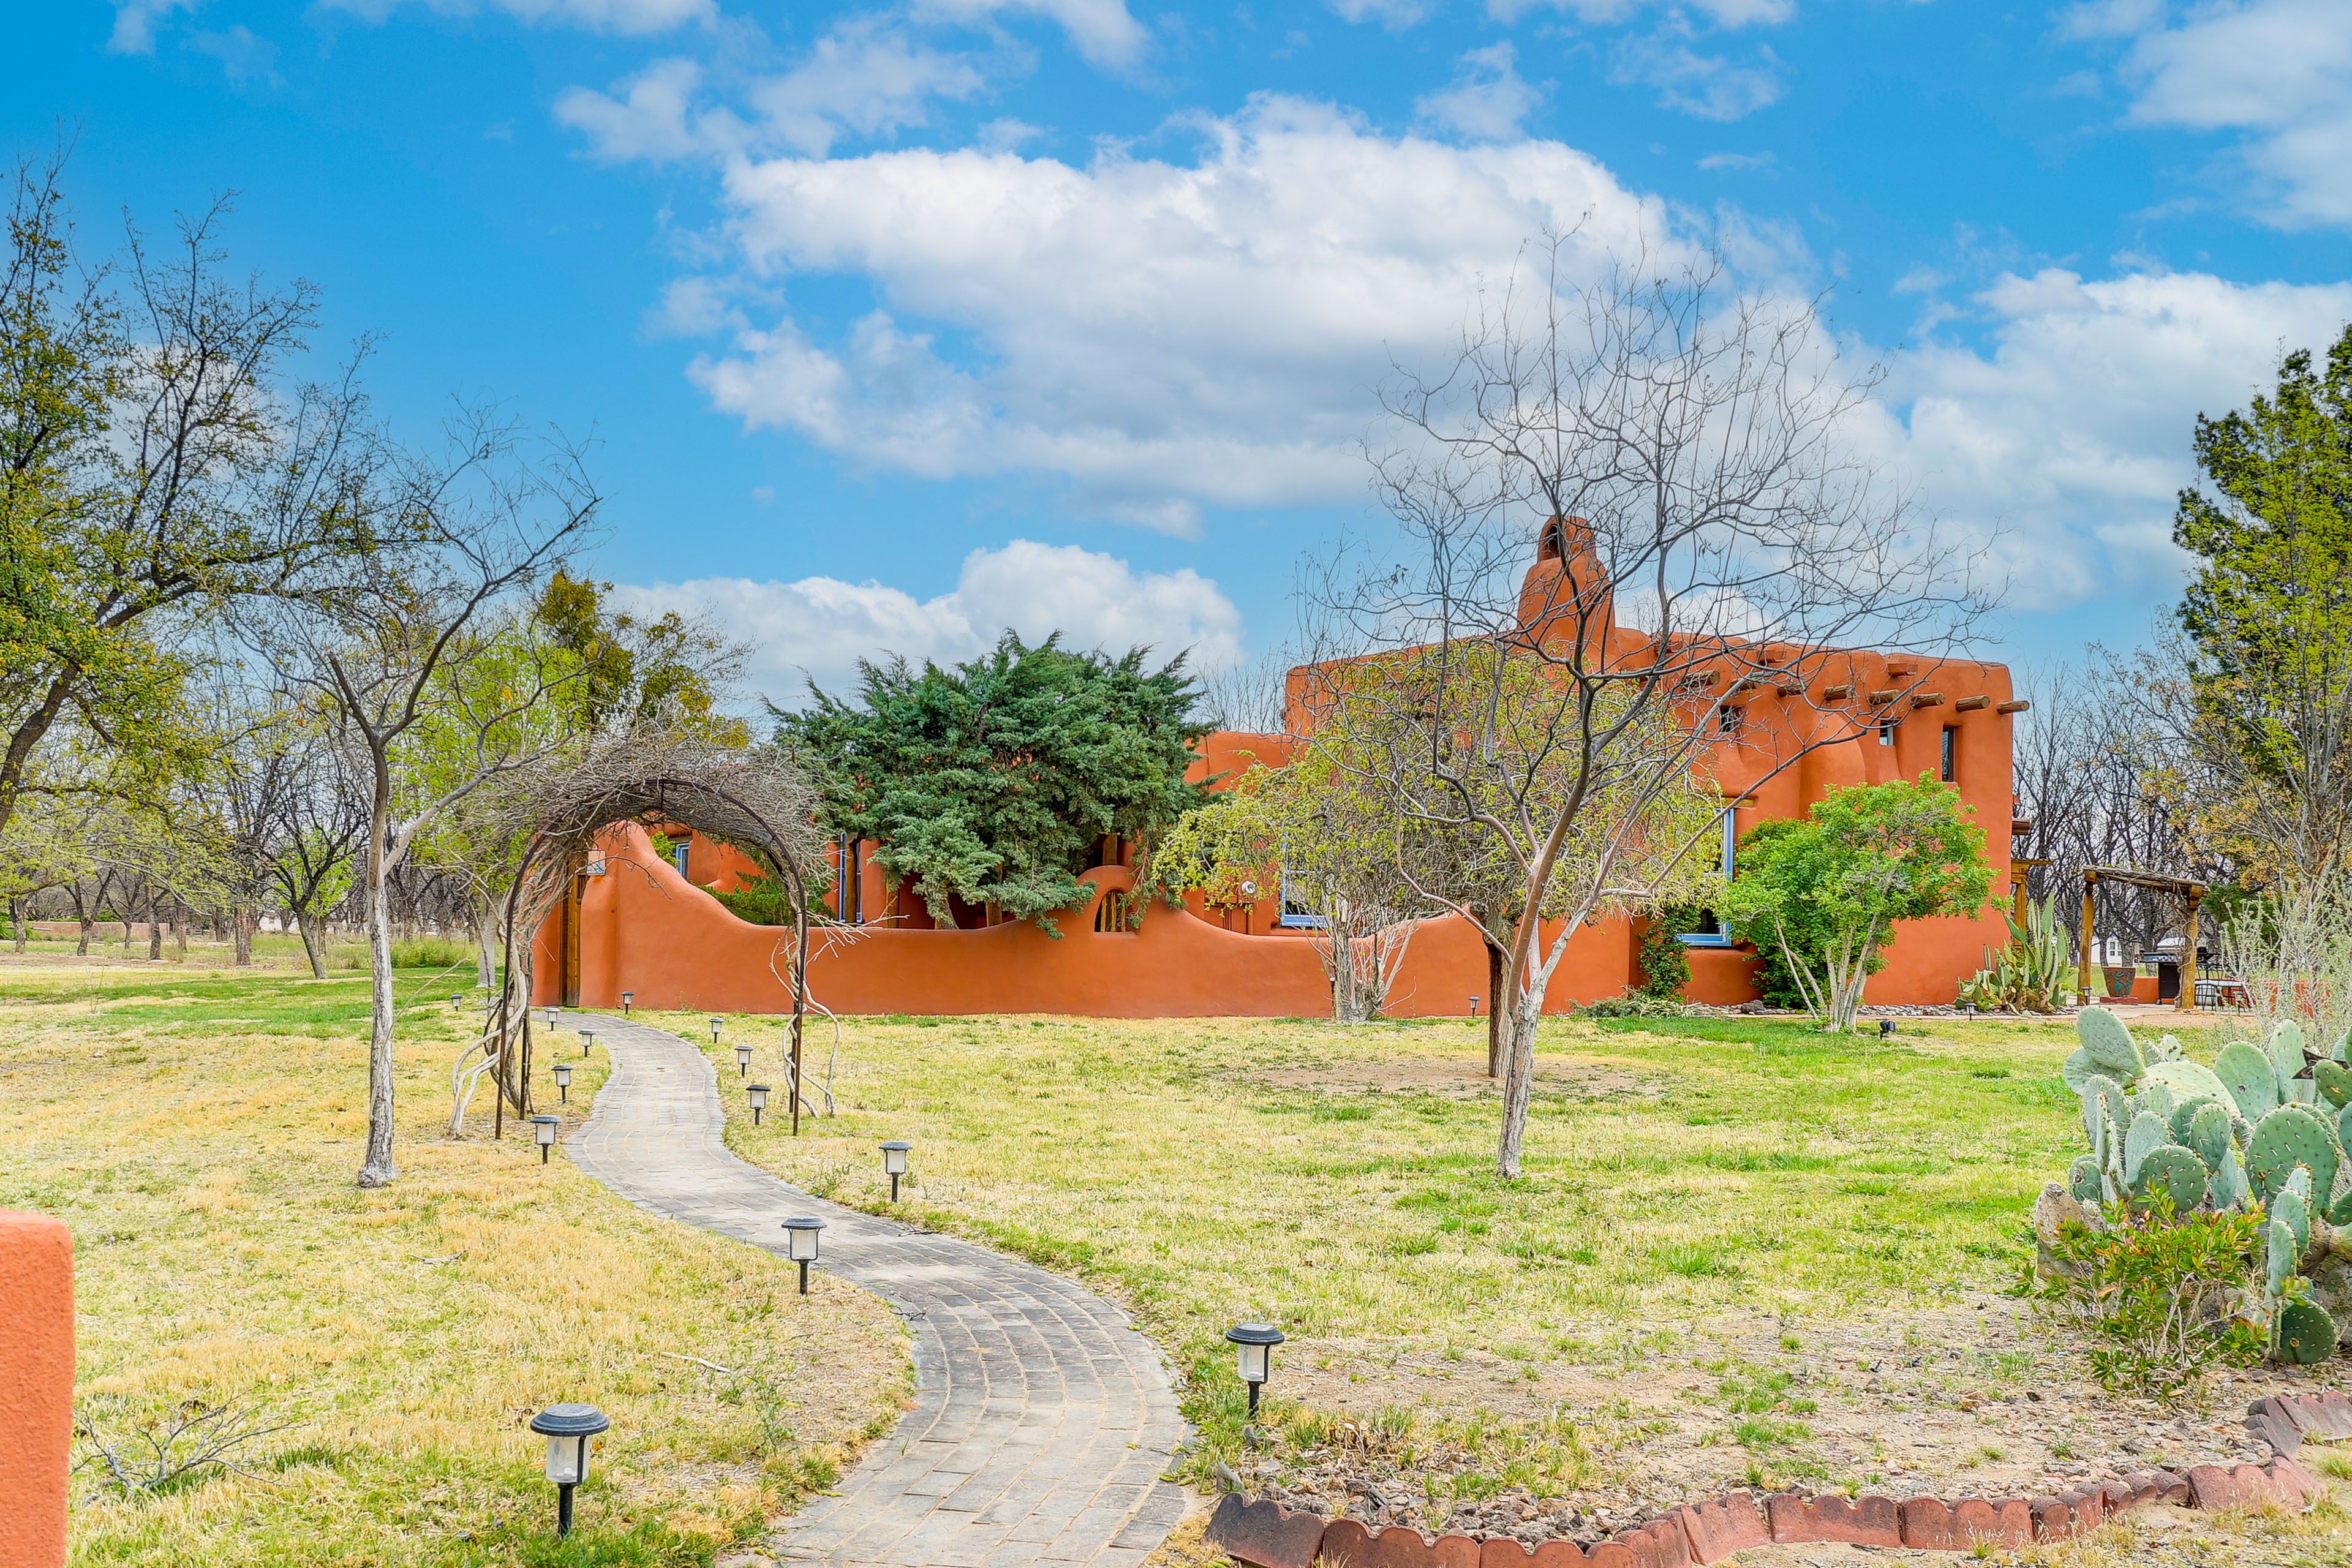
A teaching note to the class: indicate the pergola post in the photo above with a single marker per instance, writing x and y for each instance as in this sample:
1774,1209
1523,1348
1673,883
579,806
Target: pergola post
2187,1000
2082,971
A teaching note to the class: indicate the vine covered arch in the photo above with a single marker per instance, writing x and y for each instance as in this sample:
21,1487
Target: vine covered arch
752,799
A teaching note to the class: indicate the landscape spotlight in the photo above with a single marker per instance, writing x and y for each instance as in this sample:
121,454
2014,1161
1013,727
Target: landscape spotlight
1256,1343
715,1022
626,997
742,1058
542,1131
563,1081
758,1095
894,1164
569,1430
799,1239
1885,1027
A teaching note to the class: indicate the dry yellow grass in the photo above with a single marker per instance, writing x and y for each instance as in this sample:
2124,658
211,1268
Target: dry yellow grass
199,1135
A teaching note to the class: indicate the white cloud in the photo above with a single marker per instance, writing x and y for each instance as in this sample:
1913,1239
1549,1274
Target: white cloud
1394,15
625,16
1101,30
135,20
864,78
2073,433
242,56
822,625
1712,87
1716,161
1721,13
1487,99
1153,332
2279,70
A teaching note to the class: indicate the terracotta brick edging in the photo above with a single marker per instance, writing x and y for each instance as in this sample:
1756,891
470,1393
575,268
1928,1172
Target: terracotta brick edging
1265,1534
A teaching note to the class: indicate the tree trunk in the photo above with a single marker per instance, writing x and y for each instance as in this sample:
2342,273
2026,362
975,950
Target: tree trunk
1518,1080
487,936
1494,1005
154,932
377,1170
81,948
310,944
16,919
179,929
241,923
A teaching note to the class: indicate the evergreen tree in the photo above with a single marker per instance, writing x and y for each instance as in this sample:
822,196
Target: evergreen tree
991,782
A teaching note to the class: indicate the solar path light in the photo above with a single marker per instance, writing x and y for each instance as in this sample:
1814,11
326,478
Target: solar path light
894,1164
569,1429
1254,1345
587,1041
758,1095
715,1022
543,1132
800,1244
1885,1027
626,997
563,1081
456,1001
1474,1006
554,1014
742,1058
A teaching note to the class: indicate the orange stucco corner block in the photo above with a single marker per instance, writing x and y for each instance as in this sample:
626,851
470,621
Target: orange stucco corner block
37,1368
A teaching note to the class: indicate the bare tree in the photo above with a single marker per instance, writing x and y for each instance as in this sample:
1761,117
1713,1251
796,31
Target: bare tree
1674,458
463,535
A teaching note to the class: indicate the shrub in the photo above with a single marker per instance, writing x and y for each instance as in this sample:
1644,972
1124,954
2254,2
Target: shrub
2160,1291
432,953
761,901
1665,963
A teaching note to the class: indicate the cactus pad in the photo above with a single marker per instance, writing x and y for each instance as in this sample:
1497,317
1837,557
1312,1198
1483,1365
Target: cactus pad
2148,1131
2290,1136
2253,1081
2334,1081
2208,1135
2082,1181
2174,1170
2285,1048
2156,1098
2110,1044
2229,1185
2280,1257
2306,1333
2077,1069
2166,1049
2189,1081
2291,1209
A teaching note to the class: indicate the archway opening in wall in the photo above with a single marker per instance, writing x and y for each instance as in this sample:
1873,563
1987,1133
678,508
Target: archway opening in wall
751,800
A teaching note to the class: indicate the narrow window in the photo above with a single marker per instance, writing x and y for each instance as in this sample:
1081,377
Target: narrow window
1726,720
678,856
1711,931
1951,754
1886,733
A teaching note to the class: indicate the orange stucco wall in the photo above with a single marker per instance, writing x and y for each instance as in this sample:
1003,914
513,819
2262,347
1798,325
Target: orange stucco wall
647,930
37,1368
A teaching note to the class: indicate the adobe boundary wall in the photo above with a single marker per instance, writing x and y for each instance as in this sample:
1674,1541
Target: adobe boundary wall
646,930
1265,1534
36,1373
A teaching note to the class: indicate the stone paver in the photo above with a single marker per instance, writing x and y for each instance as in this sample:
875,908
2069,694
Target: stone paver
1041,1419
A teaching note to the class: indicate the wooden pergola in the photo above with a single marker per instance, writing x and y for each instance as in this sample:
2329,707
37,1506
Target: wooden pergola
2194,892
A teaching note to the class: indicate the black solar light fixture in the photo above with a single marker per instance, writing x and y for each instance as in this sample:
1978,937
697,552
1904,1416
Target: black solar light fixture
894,1163
801,1244
456,1001
742,1058
1885,1027
1474,1006
1254,1346
570,1431
758,1095
552,1015
715,1022
563,1081
626,998
543,1132
587,1041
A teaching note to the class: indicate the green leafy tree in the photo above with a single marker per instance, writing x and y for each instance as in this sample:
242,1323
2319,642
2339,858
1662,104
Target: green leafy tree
2269,614
158,458
990,782
1826,892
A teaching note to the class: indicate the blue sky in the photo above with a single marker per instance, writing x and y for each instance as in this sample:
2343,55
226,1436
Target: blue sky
899,323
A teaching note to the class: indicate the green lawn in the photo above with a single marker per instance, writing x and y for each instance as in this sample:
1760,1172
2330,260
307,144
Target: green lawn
199,1133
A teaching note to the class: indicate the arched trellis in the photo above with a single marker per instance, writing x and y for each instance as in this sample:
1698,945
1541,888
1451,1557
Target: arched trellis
752,799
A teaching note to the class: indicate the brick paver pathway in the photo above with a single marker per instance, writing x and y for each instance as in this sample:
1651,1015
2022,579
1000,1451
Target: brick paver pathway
1041,1419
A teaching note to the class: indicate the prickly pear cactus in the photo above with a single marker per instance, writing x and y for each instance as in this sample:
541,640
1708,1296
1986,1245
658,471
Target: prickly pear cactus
2250,1134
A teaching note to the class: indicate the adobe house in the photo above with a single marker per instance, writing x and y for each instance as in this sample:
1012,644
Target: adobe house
653,931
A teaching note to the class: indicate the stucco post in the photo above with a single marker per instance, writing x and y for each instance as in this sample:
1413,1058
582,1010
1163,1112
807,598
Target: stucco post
37,1367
